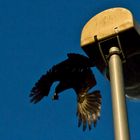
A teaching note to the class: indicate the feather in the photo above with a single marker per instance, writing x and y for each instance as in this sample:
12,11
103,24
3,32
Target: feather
41,88
89,110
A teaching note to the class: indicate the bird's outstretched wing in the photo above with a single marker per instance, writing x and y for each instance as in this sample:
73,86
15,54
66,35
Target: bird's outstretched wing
63,71
88,109
42,87
81,60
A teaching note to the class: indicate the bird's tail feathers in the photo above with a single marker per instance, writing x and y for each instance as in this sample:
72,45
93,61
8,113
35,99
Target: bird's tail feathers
41,88
88,109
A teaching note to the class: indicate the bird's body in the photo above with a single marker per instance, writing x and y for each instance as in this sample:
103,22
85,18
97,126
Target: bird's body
74,72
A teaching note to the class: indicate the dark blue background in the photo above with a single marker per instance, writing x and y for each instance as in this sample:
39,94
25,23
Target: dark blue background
34,35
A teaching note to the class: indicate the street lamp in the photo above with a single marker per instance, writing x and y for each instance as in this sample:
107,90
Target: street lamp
112,40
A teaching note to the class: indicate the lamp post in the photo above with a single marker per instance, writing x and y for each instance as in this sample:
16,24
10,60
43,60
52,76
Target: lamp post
118,96
112,40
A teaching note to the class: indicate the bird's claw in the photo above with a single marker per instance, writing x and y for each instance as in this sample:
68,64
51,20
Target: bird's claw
55,97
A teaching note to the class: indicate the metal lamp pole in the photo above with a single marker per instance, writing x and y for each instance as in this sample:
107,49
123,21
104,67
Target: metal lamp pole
118,96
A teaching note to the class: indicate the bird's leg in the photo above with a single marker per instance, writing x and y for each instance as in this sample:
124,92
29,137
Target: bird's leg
63,85
55,96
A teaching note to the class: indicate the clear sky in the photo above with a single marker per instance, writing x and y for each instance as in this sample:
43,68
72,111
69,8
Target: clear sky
35,35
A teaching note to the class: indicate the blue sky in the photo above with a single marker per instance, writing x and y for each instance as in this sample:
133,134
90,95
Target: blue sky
35,35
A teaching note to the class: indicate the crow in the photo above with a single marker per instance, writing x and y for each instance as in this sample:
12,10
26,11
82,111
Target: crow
74,72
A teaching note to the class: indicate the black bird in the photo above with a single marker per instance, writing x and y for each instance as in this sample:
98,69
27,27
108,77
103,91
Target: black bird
74,72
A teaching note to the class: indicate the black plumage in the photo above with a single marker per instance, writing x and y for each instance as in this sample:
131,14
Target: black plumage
75,72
